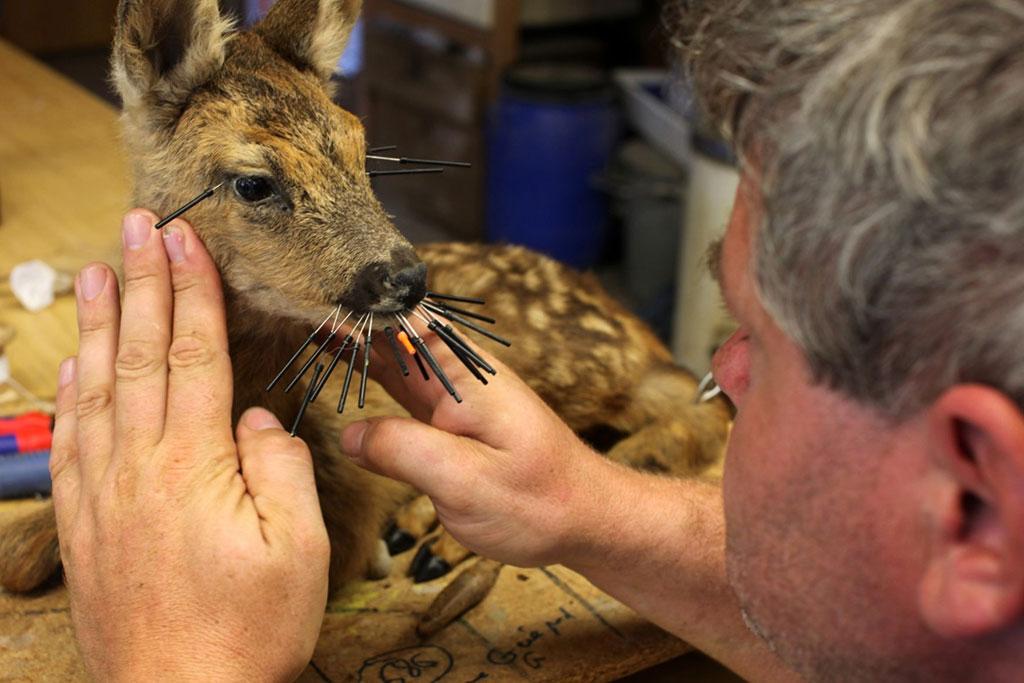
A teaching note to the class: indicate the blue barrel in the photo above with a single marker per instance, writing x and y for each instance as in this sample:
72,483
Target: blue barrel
551,132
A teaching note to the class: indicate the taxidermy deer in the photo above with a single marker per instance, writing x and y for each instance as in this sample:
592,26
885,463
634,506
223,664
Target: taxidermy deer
296,231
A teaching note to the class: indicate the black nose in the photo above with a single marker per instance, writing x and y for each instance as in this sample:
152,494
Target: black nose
410,284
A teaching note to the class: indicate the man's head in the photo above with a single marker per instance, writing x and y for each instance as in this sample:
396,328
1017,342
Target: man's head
875,259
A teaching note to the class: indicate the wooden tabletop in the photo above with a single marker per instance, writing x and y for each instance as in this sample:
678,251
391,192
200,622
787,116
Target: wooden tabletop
63,188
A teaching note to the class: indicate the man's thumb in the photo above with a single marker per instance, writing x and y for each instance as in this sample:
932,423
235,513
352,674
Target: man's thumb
401,448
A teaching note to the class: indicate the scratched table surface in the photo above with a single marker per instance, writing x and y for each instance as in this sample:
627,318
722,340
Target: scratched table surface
63,188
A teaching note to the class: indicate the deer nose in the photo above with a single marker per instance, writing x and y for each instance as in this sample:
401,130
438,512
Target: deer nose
410,284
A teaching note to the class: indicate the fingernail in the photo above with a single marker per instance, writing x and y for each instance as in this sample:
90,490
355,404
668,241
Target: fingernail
259,419
136,228
91,281
352,438
174,242
66,373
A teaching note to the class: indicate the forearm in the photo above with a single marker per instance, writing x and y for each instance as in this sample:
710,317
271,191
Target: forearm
658,545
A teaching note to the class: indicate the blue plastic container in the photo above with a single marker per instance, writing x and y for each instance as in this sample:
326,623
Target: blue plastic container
552,131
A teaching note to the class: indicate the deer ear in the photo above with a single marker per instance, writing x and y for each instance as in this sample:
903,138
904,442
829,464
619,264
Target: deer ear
311,34
165,49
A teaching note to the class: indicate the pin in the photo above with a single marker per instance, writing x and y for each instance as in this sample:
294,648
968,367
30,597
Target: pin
319,350
438,308
459,299
473,326
307,399
337,355
295,356
348,372
455,348
389,332
450,333
404,171
421,346
204,195
366,363
428,162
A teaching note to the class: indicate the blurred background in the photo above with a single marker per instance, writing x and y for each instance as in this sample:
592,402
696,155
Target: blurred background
578,124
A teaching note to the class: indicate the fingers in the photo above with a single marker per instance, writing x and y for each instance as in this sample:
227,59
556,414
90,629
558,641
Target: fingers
141,394
64,471
433,461
98,317
278,472
199,384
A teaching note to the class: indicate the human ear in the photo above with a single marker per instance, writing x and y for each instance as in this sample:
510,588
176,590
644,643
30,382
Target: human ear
973,583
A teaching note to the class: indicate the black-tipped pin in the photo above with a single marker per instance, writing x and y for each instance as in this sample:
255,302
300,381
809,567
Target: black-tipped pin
396,350
202,196
404,171
309,362
330,368
309,397
459,299
427,162
441,308
348,378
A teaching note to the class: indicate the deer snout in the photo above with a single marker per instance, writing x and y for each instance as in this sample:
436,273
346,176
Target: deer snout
410,284
389,286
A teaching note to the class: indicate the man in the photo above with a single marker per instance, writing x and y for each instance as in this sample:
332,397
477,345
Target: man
871,523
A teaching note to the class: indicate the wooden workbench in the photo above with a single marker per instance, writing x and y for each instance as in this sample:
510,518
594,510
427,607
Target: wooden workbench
63,185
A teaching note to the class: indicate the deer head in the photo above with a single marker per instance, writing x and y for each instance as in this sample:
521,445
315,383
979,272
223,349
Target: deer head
295,228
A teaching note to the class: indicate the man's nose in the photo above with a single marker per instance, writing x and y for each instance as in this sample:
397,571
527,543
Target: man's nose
731,366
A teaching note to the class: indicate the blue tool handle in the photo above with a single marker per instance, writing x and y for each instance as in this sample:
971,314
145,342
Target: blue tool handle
25,475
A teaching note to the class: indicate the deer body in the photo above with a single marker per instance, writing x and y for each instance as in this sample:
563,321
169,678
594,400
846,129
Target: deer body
296,231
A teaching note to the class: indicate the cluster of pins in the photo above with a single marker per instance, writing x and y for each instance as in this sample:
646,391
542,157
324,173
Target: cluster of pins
437,312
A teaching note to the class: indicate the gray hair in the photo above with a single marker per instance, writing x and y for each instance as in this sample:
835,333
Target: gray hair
889,136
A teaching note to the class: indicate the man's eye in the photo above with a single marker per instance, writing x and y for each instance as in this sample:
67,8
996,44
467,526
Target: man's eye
253,188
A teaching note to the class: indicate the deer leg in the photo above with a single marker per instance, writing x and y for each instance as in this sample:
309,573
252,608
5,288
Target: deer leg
412,522
436,558
29,552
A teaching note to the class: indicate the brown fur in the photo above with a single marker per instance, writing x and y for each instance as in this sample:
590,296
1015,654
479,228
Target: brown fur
203,105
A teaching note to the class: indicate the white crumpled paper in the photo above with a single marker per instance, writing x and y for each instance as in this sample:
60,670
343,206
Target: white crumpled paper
34,284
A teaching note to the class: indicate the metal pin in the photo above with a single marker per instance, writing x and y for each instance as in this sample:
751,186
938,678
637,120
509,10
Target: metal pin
467,350
404,171
295,356
389,332
366,363
308,398
205,194
319,350
348,372
416,357
409,160
438,308
452,297
421,346
476,328
337,354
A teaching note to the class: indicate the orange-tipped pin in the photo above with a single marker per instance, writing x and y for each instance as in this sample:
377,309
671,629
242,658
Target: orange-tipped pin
404,339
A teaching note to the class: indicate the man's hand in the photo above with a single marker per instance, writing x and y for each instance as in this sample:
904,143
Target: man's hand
509,479
188,552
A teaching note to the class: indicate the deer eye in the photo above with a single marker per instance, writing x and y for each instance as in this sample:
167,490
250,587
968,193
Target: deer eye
253,188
